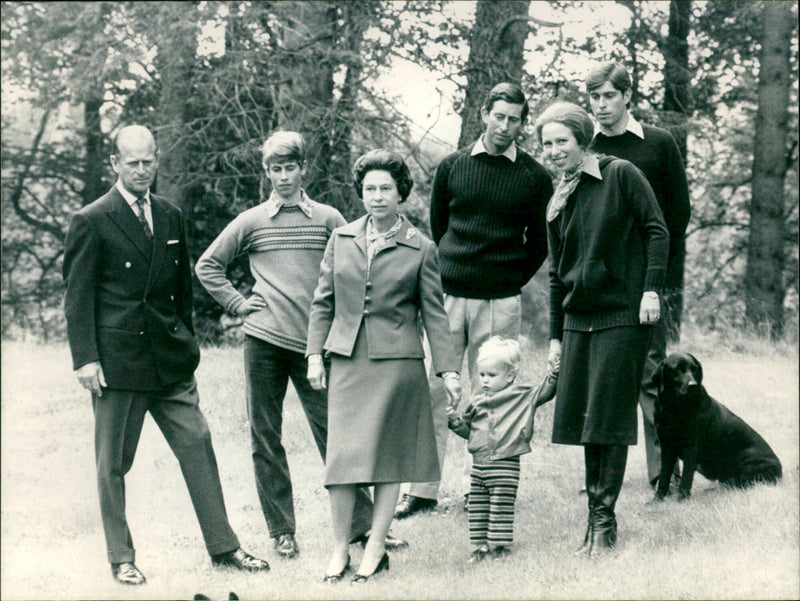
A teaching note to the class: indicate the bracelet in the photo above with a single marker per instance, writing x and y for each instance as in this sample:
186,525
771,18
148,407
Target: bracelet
650,294
315,359
451,374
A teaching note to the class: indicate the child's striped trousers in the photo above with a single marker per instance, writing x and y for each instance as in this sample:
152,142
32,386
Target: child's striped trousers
492,493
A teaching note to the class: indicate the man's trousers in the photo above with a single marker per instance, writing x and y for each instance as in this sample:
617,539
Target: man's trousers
268,369
119,416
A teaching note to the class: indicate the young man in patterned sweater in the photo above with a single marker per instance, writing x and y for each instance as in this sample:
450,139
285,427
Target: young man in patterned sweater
284,239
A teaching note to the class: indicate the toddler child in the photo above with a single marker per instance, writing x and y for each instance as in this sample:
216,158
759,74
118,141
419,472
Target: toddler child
499,425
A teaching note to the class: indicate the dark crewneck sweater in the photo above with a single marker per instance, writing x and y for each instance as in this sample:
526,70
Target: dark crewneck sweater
658,157
488,219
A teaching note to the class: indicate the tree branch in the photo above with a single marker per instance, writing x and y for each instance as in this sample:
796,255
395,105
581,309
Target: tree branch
19,186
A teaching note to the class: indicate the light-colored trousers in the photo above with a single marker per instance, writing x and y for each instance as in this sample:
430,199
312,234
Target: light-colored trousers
472,322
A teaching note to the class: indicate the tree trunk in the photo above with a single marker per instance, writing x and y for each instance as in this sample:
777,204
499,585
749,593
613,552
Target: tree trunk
319,40
95,159
177,53
764,289
496,48
677,107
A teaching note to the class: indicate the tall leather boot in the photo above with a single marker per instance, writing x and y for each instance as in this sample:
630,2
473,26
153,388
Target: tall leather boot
612,472
592,458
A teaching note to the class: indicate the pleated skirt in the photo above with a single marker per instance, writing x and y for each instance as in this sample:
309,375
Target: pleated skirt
380,424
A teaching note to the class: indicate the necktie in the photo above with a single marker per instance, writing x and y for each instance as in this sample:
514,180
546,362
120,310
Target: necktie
140,202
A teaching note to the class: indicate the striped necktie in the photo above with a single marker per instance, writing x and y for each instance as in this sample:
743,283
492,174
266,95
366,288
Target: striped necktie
140,202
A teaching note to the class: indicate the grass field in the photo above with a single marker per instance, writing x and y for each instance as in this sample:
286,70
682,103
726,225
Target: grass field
721,544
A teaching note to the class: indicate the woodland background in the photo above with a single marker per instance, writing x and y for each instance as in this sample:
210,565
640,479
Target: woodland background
213,79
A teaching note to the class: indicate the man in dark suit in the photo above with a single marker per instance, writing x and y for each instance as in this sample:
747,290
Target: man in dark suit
128,304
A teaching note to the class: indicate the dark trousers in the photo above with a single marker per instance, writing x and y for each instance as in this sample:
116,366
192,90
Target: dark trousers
268,369
119,416
656,353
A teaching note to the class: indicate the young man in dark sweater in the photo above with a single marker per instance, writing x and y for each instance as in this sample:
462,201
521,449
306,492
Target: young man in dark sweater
487,218
654,151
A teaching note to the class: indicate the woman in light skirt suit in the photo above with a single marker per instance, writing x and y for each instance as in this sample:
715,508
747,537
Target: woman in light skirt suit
378,279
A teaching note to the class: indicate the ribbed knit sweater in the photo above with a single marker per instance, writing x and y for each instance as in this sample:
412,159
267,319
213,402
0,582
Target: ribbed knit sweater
658,157
488,219
285,252
607,246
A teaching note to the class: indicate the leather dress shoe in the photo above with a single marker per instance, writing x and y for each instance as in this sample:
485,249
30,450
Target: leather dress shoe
239,560
392,543
336,578
127,573
409,505
286,545
383,565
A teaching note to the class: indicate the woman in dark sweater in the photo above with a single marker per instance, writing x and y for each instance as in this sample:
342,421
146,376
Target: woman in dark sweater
608,247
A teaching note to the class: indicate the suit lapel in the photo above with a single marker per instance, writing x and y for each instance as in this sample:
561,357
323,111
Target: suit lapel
122,215
160,230
358,230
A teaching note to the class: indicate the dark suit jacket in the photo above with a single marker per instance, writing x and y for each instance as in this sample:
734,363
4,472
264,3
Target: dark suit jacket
128,299
403,286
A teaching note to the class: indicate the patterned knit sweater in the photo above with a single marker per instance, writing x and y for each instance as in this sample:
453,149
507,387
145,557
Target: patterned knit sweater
285,252
488,219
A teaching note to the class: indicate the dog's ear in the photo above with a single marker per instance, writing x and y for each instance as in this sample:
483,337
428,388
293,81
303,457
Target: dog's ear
658,376
696,368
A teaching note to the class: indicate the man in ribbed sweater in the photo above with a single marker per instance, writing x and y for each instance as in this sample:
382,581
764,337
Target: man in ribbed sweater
488,220
654,151
284,239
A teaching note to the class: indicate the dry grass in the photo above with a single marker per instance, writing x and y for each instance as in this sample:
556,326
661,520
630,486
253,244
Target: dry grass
720,545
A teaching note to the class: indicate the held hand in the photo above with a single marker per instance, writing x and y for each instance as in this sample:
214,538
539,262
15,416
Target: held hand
91,377
452,386
554,356
252,304
469,413
649,308
316,372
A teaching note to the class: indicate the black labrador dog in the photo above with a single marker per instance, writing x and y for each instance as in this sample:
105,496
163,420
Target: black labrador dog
704,433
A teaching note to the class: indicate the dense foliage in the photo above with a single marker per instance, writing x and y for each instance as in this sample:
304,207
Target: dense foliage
212,79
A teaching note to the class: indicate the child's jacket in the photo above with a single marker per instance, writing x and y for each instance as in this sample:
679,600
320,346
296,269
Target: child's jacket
502,424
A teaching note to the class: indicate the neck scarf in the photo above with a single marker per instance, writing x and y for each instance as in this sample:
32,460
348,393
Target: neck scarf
377,241
566,186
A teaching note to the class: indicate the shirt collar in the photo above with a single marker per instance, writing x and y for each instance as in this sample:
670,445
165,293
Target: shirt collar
632,126
510,153
275,203
591,166
131,198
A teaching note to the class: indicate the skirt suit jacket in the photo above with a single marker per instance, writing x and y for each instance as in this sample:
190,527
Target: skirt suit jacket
370,322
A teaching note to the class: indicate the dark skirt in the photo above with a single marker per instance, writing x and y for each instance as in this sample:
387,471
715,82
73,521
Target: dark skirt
598,385
380,424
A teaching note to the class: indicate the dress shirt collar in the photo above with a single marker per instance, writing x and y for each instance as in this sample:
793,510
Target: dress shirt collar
510,153
130,198
632,126
275,203
591,166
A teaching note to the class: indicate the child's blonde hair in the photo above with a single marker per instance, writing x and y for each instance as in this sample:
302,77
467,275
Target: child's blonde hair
506,350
